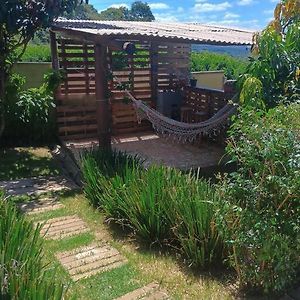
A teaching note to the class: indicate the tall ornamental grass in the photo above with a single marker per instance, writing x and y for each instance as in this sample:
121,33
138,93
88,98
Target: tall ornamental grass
192,212
161,205
98,167
23,274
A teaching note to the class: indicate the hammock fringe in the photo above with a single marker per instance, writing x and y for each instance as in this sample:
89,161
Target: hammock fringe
182,132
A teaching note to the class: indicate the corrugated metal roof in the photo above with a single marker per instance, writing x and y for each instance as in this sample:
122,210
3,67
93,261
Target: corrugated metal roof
185,32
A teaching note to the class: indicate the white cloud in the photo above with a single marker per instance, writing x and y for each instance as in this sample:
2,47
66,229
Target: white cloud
245,2
207,7
119,5
229,15
159,5
180,9
165,17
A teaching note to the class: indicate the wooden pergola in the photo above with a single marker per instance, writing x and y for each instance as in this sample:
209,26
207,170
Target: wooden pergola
146,57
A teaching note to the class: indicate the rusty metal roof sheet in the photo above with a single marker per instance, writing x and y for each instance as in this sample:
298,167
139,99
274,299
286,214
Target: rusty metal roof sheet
185,32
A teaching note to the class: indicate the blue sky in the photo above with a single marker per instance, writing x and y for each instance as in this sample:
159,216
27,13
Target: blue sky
252,14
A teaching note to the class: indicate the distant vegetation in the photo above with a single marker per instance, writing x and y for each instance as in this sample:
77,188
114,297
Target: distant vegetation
37,53
236,51
209,61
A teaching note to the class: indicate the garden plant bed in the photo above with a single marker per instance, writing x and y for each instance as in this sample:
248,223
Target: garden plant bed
141,267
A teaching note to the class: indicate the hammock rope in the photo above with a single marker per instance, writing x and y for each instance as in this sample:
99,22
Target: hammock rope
183,132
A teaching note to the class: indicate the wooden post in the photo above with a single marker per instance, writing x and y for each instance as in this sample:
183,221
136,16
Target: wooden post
102,110
154,71
55,66
54,55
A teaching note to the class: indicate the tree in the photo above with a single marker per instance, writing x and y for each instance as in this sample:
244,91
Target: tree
139,11
19,21
115,14
84,12
274,67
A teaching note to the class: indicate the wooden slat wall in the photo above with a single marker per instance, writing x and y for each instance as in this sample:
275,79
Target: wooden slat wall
135,72
202,100
76,102
173,64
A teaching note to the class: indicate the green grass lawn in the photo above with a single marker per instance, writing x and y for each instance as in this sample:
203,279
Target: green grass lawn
143,267
16,163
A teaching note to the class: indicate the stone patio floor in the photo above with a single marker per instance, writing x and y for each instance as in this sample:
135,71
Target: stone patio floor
154,149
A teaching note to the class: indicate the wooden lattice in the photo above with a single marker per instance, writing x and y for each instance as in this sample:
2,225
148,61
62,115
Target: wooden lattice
76,101
153,67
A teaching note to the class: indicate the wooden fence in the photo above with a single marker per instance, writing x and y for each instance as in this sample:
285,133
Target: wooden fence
152,68
201,104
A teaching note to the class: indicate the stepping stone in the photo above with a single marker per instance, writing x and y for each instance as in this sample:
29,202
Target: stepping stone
87,261
39,206
37,185
151,291
59,228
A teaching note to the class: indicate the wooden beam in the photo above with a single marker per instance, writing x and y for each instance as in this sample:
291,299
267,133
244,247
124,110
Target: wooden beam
102,109
154,71
55,66
54,55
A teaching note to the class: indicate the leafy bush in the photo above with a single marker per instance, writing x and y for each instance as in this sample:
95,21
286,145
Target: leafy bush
276,56
23,274
161,205
37,53
260,216
29,114
207,61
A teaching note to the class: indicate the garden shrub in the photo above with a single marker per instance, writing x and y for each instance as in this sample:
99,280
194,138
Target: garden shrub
162,205
37,53
260,216
207,61
276,56
23,274
29,114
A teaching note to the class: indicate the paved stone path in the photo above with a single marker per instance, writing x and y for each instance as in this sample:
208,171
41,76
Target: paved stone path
87,261
37,185
151,291
40,205
82,262
62,227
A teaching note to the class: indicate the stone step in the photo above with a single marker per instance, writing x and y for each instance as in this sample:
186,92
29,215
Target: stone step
39,206
59,228
90,260
37,185
151,291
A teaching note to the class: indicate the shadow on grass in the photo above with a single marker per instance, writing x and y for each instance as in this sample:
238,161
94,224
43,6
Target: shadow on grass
221,273
19,163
